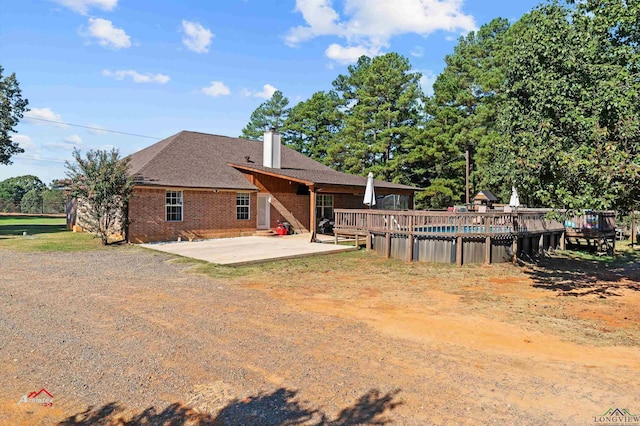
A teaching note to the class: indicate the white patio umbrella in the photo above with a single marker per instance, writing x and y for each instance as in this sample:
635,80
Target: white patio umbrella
515,200
369,192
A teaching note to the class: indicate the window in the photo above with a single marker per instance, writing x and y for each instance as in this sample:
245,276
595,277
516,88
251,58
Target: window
173,203
324,206
242,206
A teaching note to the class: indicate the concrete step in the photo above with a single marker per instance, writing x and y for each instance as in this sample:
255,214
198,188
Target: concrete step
264,233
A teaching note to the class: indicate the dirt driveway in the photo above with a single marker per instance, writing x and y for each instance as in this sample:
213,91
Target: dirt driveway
127,336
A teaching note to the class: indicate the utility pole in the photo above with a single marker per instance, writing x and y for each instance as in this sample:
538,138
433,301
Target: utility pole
466,157
633,224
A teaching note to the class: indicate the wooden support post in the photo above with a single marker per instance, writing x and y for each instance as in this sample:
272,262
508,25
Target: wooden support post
459,243
613,245
514,249
369,236
312,213
541,244
357,240
410,240
562,241
387,238
487,239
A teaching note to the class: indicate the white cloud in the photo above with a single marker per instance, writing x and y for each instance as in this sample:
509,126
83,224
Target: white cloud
215,89
73,140
196,37
321,18
137,77
427,80
82,6
370,25
107,34
24,141
349,54
36,115
417,51
266,93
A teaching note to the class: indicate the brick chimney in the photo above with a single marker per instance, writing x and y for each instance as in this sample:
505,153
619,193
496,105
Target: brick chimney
271,149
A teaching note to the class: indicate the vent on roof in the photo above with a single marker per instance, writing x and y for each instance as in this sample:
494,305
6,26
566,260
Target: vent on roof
271,149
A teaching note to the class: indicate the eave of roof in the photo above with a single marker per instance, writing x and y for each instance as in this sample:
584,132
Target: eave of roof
320,177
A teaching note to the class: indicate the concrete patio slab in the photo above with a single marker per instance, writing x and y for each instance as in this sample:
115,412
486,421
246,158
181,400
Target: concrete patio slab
247,250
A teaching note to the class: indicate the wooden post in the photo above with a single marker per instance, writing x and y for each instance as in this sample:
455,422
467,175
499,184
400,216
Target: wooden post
357,239
487,239
613,245
541,244
459,243
410,240
562,241
312,213
387,241
369,236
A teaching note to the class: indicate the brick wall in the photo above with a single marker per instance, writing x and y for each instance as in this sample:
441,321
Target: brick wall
206,214
210,214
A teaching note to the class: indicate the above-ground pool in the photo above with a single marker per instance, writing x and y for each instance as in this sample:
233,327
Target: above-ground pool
465,229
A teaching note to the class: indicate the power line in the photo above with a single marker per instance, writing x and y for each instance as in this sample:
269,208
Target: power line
99,129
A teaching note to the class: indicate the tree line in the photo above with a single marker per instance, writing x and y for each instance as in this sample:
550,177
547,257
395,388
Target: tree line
549,104
28,194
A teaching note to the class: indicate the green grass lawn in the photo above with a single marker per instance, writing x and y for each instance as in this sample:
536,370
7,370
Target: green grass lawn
43,233
16,225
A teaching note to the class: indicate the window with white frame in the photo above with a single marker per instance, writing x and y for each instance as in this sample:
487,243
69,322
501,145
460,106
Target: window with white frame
173,206
242,206
324,206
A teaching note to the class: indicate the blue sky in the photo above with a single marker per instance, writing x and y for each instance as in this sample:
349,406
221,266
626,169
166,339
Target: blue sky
153,68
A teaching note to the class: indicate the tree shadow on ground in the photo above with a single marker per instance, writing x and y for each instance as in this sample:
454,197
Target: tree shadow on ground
32,229
280,407
576,276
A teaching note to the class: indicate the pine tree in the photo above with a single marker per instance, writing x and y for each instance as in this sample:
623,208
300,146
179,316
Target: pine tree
270,114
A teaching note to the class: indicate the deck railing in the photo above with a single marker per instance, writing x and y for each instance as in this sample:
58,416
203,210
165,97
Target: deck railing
463,237
415,222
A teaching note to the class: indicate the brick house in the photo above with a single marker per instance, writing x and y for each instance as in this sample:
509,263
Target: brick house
197,185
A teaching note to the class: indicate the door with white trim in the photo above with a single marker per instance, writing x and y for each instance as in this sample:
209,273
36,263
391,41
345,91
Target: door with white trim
264,211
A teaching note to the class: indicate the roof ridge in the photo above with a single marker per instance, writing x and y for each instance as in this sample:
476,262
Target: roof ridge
220,136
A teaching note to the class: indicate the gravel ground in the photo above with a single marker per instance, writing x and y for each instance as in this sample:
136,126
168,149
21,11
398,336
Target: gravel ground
126,333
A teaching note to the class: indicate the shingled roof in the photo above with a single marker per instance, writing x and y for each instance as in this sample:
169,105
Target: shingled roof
200,160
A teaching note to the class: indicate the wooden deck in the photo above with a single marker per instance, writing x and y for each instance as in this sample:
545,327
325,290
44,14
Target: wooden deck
594,229
453,237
